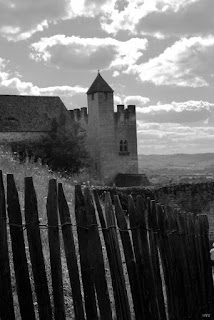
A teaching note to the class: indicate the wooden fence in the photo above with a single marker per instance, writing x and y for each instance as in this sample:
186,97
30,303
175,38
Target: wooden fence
158,258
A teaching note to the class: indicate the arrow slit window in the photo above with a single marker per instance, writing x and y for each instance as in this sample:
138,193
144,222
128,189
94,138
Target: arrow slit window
123,148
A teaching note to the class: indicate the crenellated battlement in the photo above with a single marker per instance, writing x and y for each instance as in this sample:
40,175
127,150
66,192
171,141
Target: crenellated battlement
79,115
125,114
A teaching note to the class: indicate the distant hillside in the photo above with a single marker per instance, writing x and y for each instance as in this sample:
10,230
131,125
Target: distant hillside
177,163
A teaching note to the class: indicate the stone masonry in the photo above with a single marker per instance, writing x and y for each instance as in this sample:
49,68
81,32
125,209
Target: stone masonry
111,136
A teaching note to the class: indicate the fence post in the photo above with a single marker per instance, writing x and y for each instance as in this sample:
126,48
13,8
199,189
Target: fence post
36,254
87,279
130,260
154,249
18,248
197,289
142,255
168,266
70,254
178,282
96,259
115,256
6,299
185,263
208,268
106,237
55,254
202,266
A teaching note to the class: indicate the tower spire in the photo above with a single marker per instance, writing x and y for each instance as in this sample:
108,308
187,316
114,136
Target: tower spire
99,85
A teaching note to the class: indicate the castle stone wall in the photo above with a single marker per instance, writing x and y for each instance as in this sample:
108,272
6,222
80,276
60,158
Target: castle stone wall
125,129
101,135
111,136
105,129
80,116
93,132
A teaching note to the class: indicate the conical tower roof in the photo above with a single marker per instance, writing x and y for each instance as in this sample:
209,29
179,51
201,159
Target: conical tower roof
99,85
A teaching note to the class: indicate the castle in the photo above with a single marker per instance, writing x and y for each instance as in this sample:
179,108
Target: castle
111,137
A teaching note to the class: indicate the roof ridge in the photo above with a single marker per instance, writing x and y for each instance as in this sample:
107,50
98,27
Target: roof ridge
28,95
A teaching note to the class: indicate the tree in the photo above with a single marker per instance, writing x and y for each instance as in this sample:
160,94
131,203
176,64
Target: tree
61,150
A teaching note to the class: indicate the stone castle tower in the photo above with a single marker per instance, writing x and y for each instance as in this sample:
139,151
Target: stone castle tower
111,136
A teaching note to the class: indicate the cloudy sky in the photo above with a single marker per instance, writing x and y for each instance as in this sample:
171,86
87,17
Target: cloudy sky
157,54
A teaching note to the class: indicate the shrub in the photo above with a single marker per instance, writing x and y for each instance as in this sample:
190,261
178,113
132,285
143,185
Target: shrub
61,150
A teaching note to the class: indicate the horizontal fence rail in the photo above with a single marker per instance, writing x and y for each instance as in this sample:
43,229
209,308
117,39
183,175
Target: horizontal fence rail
147,262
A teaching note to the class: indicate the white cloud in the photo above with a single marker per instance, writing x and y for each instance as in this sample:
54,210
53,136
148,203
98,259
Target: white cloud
178,112
14,85
174,5
89,8
117,100
135,10
73,97
188,62
174,138
88,53
116,73
62,90
195,19
2,63
20,19
139,101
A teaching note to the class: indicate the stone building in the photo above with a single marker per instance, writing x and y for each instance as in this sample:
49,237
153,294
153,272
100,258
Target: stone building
111,137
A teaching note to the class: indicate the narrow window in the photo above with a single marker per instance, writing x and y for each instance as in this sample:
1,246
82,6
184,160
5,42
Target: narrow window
92,96
121,146
125,146
106,95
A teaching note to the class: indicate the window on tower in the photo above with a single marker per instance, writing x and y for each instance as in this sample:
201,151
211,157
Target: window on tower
123,148
121,145
92,96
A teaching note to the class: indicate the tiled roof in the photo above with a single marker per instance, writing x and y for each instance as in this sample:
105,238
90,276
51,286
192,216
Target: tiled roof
99,85
30,113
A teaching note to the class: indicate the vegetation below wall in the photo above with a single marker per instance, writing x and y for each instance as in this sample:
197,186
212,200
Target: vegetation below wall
197,198
62,151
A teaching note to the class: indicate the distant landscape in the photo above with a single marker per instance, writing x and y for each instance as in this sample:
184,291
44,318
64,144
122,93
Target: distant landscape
176,168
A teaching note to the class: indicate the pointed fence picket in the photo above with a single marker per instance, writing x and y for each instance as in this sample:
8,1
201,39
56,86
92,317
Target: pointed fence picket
165,253
70,253
19,254
6,299
55,255
36,254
